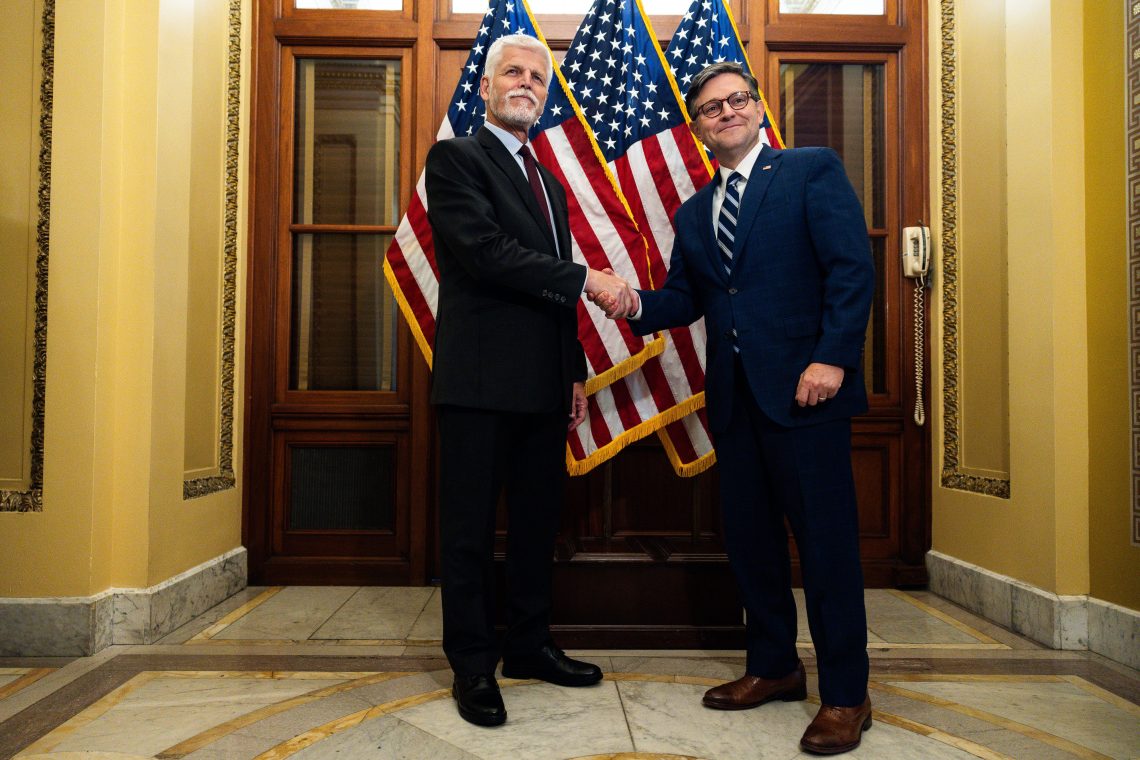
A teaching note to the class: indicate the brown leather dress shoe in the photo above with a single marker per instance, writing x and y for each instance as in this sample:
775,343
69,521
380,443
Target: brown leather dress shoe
837,729
752,691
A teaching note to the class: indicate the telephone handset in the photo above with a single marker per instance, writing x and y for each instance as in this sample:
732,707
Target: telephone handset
916,265
916,252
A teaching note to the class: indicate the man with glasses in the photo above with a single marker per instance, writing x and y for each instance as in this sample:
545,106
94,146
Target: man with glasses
774,254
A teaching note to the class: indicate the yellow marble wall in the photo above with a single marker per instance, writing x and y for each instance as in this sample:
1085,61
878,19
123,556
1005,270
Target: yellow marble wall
127,190
1115,561
1033,155
206,142
983,228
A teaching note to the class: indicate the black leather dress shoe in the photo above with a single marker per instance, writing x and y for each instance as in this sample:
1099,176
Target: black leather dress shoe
479,700
550,664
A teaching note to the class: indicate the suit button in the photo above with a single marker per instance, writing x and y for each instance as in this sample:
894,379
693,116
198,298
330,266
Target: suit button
732,291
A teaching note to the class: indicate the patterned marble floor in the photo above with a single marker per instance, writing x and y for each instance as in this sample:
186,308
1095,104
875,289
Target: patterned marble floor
345,672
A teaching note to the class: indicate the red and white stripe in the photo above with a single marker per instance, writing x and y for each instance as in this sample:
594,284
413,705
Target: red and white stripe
602,232
656,175
603,235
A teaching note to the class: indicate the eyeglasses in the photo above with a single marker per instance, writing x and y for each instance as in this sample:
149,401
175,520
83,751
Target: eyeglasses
713,108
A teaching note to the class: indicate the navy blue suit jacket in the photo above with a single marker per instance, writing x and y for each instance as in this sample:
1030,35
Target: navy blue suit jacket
800,290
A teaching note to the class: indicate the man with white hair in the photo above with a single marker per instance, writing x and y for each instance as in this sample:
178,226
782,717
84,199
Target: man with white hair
508,379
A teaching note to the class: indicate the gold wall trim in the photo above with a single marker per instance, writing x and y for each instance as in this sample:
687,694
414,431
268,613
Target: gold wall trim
952,474
1132,67
32,500
226,479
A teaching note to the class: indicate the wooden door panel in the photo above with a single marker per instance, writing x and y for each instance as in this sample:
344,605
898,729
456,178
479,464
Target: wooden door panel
649,499
874,465
340,496
646,605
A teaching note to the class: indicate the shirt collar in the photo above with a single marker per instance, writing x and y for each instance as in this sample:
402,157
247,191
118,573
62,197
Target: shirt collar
744,168
509,141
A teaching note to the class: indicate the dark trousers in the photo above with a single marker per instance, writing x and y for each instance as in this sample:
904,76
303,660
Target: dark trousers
480,453
768,473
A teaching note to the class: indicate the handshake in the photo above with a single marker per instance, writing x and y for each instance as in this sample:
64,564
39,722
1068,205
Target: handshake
611,294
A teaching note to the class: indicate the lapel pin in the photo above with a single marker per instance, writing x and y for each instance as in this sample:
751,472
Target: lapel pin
766,168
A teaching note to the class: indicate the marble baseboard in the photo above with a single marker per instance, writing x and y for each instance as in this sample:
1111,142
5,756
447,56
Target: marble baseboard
80,626
1113,632
1059,622
144,616
71,626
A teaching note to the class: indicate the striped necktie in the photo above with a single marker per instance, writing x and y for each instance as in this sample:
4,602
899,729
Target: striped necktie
726,223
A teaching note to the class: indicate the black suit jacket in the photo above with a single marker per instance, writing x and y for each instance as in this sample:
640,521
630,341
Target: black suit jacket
506,329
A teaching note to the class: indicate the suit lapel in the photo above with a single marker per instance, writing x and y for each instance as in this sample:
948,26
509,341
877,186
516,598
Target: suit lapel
759,180
502,158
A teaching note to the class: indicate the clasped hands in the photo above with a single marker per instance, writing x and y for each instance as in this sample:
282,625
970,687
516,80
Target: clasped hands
611,293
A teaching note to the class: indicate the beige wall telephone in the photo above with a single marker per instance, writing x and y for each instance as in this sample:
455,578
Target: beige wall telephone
916,265
916,252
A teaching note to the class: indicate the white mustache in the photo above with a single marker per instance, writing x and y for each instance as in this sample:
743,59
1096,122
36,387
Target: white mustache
523,92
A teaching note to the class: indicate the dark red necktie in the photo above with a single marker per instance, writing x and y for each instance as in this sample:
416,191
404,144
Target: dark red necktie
535,182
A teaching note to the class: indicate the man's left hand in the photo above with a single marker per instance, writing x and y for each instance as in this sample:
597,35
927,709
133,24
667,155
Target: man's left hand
577,406
818,383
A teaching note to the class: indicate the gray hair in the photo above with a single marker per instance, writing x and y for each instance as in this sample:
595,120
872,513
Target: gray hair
518,40
714,70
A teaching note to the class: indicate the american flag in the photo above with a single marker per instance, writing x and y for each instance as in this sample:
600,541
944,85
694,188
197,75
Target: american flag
707,34
603,232
619,76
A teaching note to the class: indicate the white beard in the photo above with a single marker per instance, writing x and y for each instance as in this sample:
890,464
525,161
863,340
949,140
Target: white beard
519,116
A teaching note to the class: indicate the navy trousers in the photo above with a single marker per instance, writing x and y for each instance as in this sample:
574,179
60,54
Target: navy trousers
769,473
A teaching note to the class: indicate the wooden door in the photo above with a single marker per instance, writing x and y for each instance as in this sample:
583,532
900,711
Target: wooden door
639,560
337,469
